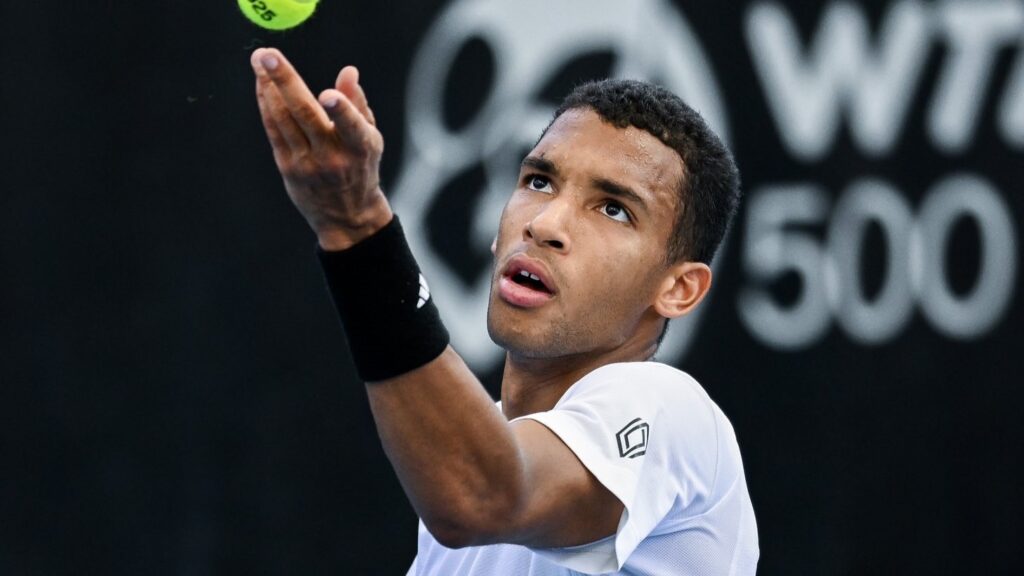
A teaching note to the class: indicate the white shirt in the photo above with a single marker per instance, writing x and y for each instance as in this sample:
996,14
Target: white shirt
652,436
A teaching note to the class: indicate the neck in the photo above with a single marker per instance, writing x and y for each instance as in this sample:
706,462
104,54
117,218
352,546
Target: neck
531,385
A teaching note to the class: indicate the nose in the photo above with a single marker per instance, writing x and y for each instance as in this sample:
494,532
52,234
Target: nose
550,226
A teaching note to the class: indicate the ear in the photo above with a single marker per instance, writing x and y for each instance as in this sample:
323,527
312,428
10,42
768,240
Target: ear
683,289
494,246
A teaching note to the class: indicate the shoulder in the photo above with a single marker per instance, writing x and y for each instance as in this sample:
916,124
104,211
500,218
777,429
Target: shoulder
689,445
631,403
651,435
651,385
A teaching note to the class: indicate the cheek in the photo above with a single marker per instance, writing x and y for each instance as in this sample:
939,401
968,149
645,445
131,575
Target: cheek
629,278
512,219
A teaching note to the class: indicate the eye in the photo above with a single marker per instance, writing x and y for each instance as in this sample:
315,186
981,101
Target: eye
538,183
616,212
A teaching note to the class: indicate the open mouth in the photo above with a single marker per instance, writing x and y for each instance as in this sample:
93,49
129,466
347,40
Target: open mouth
529,280
525,283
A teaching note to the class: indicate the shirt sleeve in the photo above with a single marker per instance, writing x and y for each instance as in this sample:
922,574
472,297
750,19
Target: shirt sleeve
648,433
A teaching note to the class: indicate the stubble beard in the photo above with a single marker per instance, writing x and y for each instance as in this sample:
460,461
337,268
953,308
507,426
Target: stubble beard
553,339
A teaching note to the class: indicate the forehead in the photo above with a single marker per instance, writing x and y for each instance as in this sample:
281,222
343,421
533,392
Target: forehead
581,143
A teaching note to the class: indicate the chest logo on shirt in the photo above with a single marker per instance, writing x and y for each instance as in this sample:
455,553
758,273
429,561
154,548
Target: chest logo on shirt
632,439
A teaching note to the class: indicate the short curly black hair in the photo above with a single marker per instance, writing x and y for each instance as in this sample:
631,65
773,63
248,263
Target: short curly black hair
710,189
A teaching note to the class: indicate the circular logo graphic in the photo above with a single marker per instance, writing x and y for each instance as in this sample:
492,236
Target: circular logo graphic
456,176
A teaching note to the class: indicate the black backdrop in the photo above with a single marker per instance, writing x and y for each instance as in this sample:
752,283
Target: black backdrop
176,395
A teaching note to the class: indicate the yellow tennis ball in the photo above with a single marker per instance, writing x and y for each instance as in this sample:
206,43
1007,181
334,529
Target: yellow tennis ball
277,14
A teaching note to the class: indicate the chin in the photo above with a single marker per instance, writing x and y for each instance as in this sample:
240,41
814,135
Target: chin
501,331
517,337
530,338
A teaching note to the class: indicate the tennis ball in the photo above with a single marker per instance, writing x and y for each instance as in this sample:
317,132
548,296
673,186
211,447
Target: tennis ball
277,14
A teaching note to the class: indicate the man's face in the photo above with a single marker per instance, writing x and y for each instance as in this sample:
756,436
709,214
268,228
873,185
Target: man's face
591,218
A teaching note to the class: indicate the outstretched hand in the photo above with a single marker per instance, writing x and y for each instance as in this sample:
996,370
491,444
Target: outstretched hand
327,149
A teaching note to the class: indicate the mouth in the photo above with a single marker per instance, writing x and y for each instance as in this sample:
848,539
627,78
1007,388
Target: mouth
525,283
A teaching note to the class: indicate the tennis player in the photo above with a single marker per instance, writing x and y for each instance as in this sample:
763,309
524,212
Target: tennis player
597,459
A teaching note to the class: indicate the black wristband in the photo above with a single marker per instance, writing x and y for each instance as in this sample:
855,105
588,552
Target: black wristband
384,304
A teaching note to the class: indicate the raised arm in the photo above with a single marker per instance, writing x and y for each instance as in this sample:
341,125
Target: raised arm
472,477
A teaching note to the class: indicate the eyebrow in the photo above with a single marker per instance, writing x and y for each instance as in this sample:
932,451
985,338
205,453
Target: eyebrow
613,188
610,187
542,164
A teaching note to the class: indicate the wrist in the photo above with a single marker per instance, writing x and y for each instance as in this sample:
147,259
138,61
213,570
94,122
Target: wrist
390,320
336,237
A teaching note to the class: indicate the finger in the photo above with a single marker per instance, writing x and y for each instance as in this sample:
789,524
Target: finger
352,128
348,84
277,140
305,110
278,144
269,124
278,111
